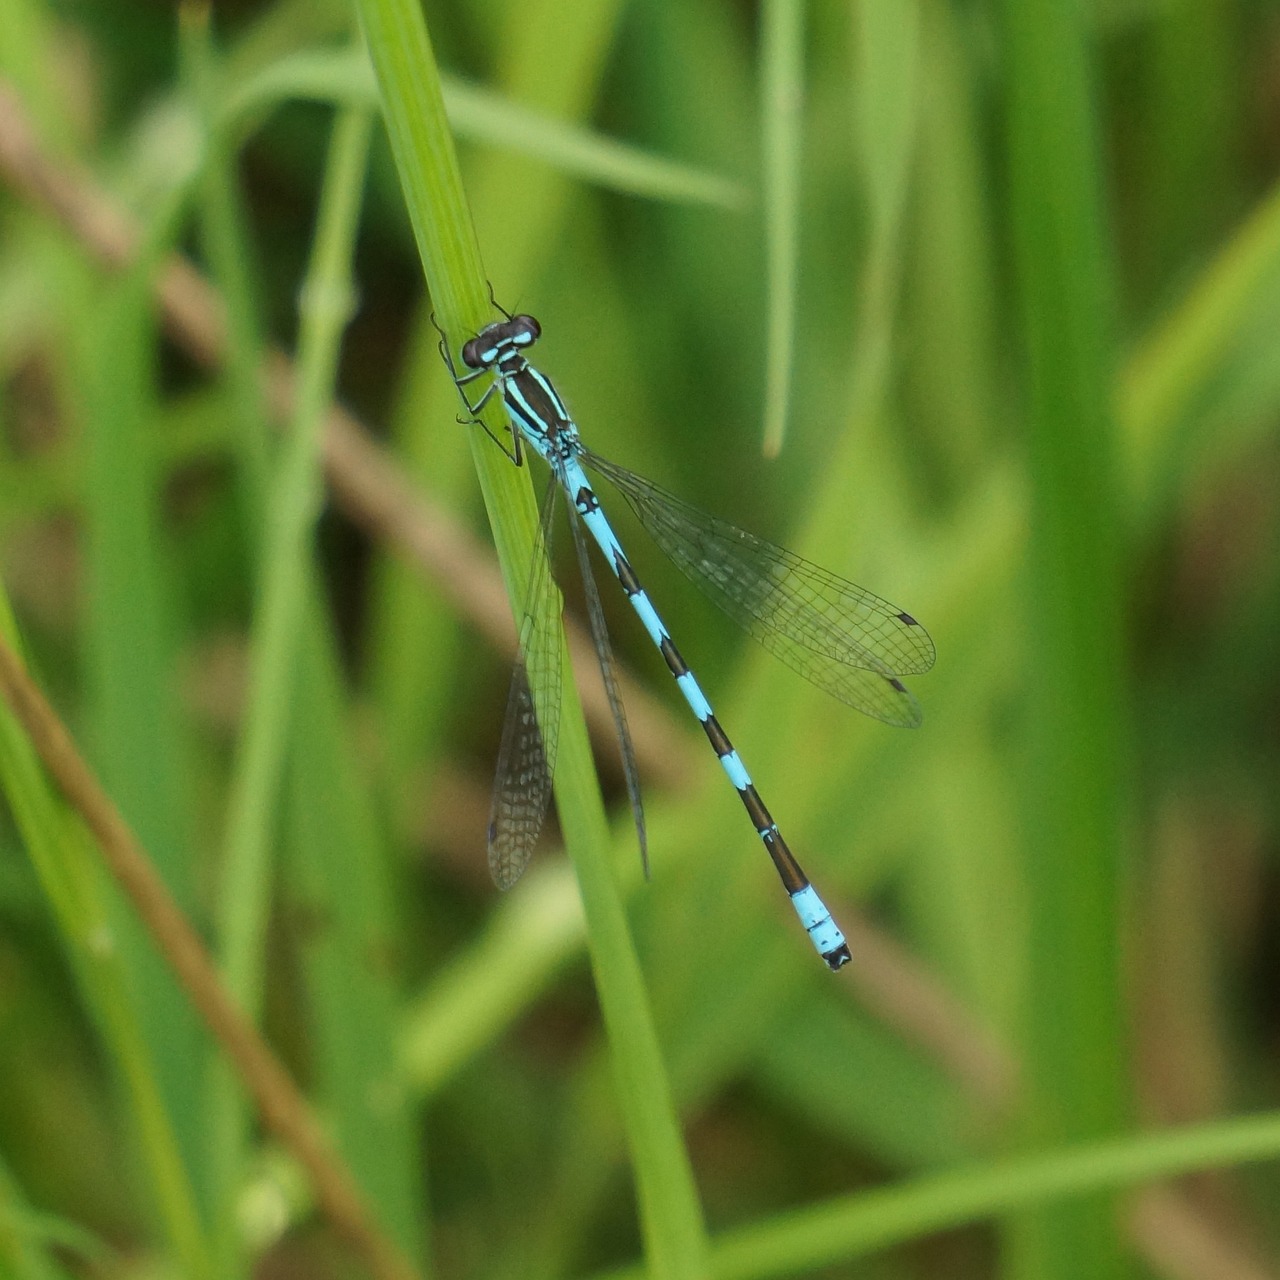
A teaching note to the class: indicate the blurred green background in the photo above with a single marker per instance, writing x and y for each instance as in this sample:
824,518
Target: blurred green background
974,303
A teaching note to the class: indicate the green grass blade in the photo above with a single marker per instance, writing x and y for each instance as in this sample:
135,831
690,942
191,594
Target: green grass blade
532,935
413,109
339,875
1186,350
294,506
73,884
1074,1029
339,886
557,69
128,651
479,115
857,1225
851,1227
781,130
887,106
284,589
150,1038
951,256
906,1114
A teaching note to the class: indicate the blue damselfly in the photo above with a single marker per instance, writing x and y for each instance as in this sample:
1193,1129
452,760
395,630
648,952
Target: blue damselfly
847,641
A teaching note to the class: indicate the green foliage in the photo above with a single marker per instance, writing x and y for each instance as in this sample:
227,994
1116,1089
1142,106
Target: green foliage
1000,283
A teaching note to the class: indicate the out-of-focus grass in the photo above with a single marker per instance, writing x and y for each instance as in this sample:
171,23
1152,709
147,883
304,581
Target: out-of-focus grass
1077,776
1032,397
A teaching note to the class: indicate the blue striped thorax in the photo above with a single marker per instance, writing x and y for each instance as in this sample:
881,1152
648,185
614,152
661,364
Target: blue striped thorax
534,404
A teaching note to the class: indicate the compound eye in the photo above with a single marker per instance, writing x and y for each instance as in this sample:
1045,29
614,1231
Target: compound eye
526,330
472,356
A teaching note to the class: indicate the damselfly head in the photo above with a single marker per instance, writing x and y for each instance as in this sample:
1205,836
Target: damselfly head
487,347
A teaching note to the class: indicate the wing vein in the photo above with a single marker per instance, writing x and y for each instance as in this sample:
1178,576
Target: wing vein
842,638
522,785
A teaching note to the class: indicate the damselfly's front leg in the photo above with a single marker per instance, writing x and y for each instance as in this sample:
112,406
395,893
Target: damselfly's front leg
516,452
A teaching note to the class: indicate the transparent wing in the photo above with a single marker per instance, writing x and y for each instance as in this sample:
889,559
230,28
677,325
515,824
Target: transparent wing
531,730
848,642
604,654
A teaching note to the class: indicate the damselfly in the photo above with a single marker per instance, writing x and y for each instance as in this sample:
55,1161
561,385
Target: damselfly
842,638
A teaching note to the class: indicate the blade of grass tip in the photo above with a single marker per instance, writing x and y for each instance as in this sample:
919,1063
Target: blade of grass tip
886,108
413,109
1073,1026
615,166
781,122
483,116
863,457
951,384
294,506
